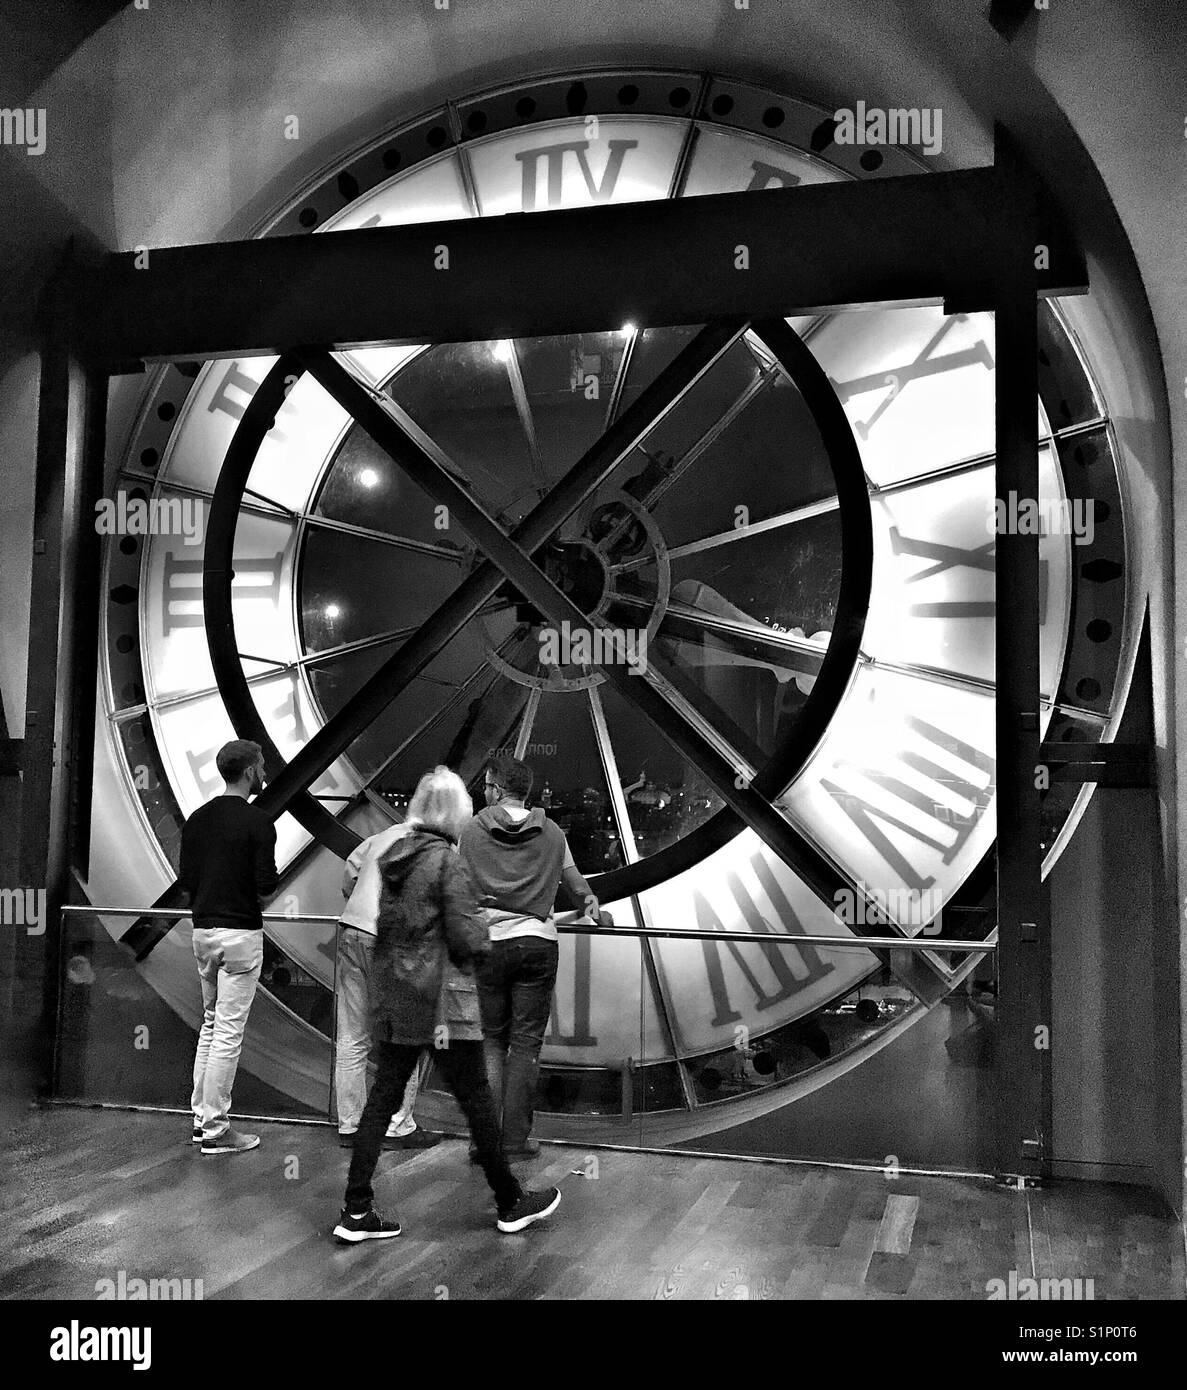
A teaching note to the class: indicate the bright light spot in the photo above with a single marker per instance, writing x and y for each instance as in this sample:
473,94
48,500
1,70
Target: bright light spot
333,611
628,329
503,351
368,477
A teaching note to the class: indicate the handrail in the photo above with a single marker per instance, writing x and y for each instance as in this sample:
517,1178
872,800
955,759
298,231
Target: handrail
904,943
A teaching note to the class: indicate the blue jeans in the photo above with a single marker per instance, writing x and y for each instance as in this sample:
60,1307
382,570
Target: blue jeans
515,984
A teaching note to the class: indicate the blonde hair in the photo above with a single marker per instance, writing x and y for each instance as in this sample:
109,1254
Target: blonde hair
441,802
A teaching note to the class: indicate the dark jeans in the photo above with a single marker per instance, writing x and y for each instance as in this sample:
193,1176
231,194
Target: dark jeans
461,1064
515,984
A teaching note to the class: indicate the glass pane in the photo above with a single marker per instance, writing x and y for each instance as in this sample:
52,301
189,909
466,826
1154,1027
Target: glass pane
353,588
569,383
364,487
127,1032
460,395
562,751
667,797
873,1077
773,458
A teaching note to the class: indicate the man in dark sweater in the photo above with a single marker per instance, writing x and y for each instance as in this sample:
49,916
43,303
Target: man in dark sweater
516,858
228,868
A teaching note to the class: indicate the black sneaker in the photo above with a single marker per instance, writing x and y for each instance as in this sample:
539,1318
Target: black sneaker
532,1206
196,1137
369,1226
415,1139
346,1141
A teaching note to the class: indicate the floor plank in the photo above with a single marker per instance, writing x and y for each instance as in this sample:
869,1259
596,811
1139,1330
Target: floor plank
97,1192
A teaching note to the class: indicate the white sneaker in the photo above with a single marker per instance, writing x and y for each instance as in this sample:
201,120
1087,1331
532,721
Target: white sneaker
231,1141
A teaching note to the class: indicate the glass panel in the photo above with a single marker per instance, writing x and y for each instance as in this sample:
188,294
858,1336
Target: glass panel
774,460
570,782
697,413
654,349
354,588
127,1032
433,192
553,166
460,395
916,385
873,1076
364,487
569,383
725,162
1064,389
667,797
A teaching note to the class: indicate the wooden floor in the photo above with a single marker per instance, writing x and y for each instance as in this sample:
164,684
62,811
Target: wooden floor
86,1194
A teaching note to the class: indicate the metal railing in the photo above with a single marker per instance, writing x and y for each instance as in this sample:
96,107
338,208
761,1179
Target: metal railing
922,942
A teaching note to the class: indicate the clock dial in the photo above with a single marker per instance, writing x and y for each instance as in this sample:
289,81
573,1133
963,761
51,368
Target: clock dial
720,537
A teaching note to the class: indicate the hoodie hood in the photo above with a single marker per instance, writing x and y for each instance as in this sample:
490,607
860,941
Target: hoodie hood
509,831
408,852
515,863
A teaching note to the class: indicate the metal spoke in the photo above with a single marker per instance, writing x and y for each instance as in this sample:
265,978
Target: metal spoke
529,718
189,696
273,511
934,674
438,552
657,694
1084,427
626,833
269,502
946,470
524,407
586,476
978,685
759,384
620,379
630,851
784,649
461,692
1087,716
807,512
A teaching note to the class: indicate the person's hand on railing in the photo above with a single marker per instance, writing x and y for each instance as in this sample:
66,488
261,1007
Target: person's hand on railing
593,910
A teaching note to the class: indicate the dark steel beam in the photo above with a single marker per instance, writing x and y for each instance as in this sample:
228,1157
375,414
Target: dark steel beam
63,629
416,455
928,238
287,788
586,476
1022,1055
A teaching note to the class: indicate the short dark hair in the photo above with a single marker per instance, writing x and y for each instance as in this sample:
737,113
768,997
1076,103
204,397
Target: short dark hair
514,777
236,757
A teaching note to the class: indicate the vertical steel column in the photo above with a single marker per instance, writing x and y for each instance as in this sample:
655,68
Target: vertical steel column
85,619
69,470
1022,1058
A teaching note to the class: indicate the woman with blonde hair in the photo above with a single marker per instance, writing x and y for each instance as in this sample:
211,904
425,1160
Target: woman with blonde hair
424,995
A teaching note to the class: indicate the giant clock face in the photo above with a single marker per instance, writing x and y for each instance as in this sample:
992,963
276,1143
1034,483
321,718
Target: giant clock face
720,537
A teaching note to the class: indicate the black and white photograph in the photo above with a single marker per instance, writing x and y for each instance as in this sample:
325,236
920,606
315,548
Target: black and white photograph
593,650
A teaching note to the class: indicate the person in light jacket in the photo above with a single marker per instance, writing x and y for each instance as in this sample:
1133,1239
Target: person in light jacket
361,885
424,994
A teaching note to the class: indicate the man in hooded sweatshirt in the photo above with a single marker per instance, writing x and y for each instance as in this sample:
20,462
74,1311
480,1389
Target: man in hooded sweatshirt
516,858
